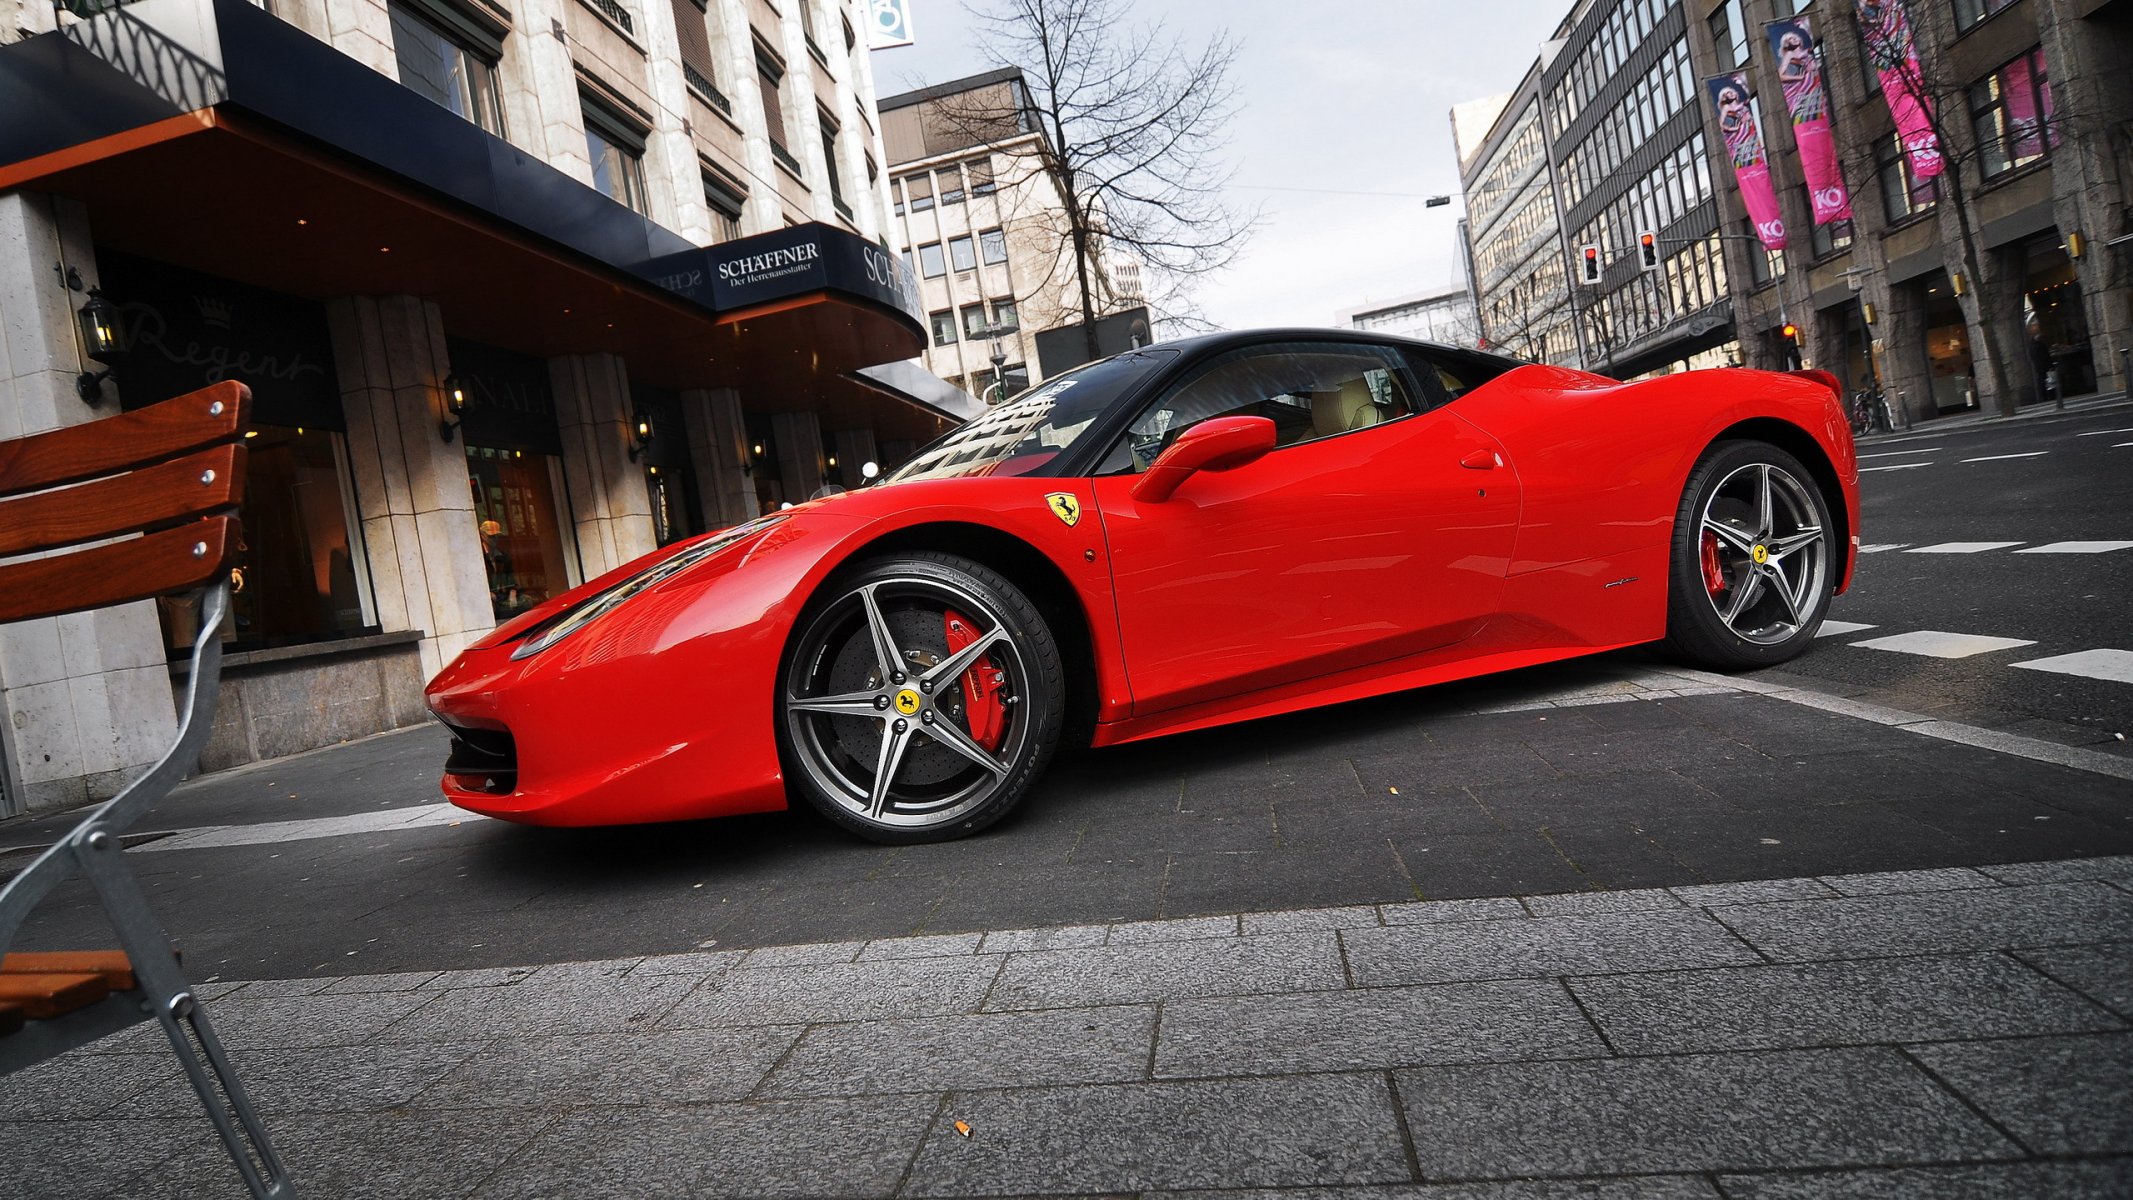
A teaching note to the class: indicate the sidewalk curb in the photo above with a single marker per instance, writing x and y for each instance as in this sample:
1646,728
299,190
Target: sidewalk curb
1969,422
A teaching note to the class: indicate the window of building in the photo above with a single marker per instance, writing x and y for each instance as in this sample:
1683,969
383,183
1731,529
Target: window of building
909,264
964,253
993,242
1004,316
698,64
616,148
982,182
832,165
2011,110
450,58
929,261
726,201
974,323
807,30
770,79
944,328
920,189
521,538
1970,12
951,186
1903,195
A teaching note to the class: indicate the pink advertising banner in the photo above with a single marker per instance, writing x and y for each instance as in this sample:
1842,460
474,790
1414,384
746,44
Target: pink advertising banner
1800,69
1744,145
1885,25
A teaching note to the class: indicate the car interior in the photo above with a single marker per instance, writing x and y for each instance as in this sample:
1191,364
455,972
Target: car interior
1308,393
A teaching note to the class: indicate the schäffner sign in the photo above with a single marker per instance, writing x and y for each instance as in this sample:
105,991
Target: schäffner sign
786,263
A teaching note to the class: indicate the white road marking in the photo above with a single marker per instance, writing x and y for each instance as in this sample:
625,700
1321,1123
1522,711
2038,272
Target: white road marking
1837,628
2114,665
1902,453
385,820
1896,467
1962,547
1935,643
2102,432
2077,548
2120,445
1878,547
2004,457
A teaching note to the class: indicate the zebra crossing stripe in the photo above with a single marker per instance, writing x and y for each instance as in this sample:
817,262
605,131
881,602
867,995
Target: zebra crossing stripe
1881,546
1938,643
1838,628
2005,457
1963,547
1896,467
2114,665
2077,548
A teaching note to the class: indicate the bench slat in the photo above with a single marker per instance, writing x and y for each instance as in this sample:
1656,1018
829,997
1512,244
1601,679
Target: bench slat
42,997
111,964
135,439
159,564
193,486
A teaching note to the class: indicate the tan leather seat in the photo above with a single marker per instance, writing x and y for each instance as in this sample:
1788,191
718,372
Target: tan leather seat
1349,407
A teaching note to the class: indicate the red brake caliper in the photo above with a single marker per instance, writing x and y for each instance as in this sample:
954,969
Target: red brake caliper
981,686
1714,577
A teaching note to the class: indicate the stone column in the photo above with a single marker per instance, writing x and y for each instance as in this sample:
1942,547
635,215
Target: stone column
1899,341
718,451
419,530
855,448
85,700
799,447
2093,96
609,501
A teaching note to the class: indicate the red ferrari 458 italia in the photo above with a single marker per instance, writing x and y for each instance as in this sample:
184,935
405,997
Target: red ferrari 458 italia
1201,532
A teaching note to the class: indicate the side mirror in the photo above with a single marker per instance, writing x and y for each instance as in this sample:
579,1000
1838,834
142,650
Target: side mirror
1220,444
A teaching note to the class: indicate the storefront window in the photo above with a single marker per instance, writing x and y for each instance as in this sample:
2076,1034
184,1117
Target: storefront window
521,544
2011,110
2055,322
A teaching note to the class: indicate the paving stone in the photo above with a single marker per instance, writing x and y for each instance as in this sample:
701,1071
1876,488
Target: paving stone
1426,912
1757,891
1786,1109
316,1079
1297,920
1299,1130
1936,922
1570,904
1884,883
380,1155
1500,1021
1063,937
937,945
1282,962
1822,1004
280,1024
2102,973
2112,1180
2059,1095
1643,1187
800,956
792,1148
1539,946
557,1005
1177,930
703,963
650,1066
77,1086
280,989
2115,869
402,981
80,1160
985,1050
917,987
482,977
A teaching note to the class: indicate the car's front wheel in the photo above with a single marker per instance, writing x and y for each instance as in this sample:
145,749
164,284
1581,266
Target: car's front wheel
920,700
1754,559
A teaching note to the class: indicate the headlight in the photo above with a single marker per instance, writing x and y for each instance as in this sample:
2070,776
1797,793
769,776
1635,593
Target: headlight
598,605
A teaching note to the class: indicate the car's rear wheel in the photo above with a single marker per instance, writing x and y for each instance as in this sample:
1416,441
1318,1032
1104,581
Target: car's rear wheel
921,699
1753,559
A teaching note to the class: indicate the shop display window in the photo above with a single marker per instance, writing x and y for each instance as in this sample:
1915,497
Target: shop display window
521,539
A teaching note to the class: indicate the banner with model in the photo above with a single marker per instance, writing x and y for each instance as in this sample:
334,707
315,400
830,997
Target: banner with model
1744,145
1800,70
1885,26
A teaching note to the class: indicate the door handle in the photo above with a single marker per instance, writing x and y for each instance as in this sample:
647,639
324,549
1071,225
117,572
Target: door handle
1483,459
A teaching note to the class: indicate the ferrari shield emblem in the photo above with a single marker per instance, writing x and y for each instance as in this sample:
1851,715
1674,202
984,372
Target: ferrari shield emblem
1065,506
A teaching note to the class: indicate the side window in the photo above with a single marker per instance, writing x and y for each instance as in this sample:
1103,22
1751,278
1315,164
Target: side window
1446,378
1310,390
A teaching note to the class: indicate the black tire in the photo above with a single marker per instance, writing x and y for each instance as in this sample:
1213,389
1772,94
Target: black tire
937,790
1774,625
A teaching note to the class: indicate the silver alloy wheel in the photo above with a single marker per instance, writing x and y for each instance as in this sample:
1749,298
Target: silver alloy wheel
876,703
1765,556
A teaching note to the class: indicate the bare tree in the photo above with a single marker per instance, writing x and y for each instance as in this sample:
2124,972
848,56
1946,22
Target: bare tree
1133,125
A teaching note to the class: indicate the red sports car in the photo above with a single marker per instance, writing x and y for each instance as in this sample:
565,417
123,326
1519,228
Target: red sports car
1201,532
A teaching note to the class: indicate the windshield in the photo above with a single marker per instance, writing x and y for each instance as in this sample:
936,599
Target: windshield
1021,437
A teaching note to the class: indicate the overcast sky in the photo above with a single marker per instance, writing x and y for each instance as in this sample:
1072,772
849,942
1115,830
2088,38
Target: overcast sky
1336,97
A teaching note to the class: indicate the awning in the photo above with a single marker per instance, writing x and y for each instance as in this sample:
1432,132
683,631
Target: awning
209,134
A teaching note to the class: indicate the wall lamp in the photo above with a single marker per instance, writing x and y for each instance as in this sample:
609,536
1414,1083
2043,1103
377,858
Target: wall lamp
640,435
100,343
1958,284
2077,247
455,403
1866,309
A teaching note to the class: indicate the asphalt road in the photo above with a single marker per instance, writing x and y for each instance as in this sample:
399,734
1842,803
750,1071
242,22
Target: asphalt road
2073,482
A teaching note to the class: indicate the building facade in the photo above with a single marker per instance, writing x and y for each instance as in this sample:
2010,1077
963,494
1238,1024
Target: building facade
2005,281
982,226
522,292
1445,316
1601,142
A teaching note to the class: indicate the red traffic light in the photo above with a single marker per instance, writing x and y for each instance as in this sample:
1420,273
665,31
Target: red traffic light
1790,331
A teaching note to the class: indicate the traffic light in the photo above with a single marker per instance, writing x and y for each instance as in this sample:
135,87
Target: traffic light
1790,332
1589,264
1647,251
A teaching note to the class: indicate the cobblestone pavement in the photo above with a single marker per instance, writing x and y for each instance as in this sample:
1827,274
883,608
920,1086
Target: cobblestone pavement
1948,1032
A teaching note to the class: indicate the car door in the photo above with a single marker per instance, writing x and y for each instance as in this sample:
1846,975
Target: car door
1379,527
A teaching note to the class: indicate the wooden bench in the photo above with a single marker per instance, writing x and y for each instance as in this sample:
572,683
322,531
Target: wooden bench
132,507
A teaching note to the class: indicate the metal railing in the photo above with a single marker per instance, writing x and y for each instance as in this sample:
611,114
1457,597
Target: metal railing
785,158
701,84
616,13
